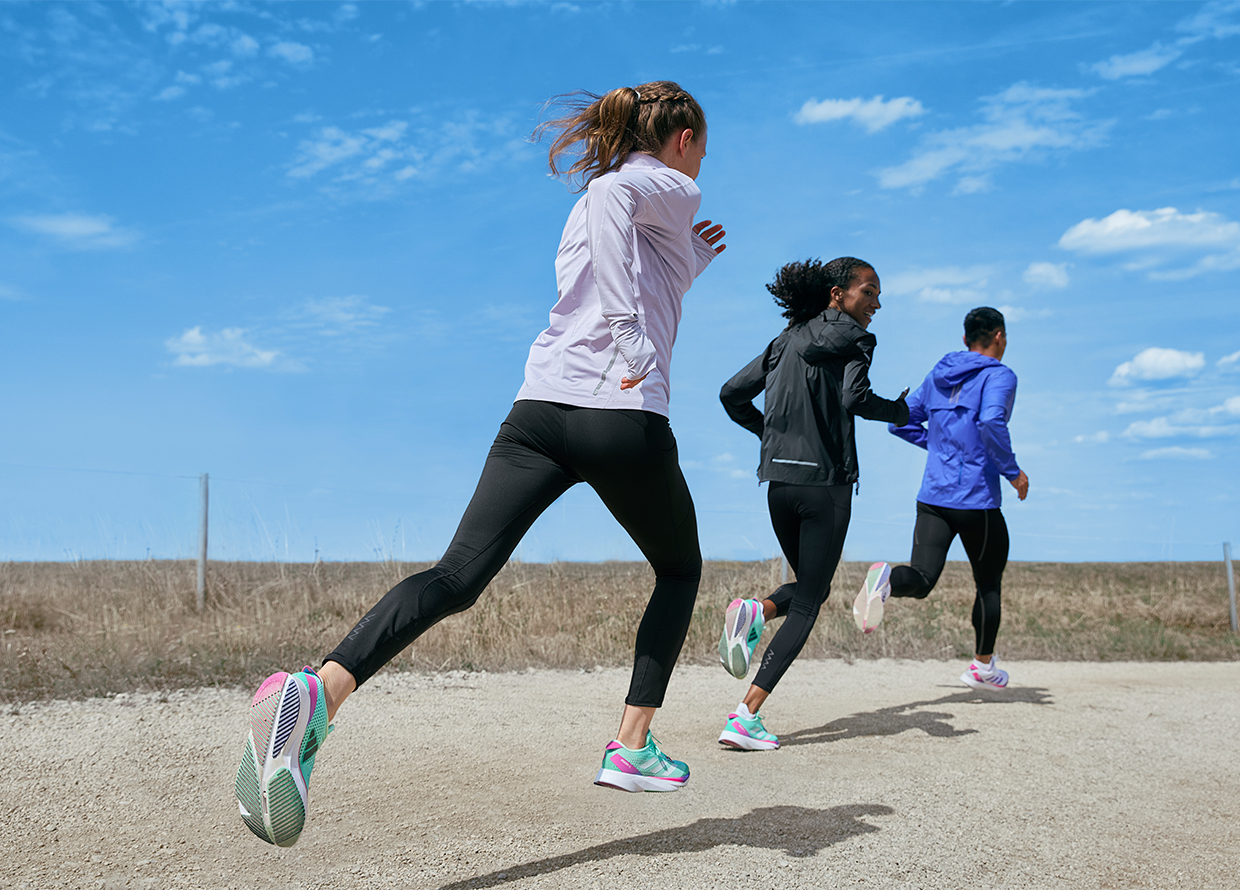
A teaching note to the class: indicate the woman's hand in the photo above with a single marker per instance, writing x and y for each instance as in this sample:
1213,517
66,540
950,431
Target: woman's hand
711,236
626,383
901,396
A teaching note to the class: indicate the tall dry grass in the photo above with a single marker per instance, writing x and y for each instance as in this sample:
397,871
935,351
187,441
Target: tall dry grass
91,628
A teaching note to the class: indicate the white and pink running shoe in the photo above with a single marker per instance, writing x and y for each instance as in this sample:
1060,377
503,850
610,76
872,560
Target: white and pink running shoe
985,676
868,606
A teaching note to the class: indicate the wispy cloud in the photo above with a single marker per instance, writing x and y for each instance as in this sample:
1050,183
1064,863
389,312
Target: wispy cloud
1161,237
945,284
874,114
1216,20
1229,362
1158,364
1098,438
382,156
293,53
339,317
1169,427
229,347
1023,123
1176,452
1142,62
1047,275
79,231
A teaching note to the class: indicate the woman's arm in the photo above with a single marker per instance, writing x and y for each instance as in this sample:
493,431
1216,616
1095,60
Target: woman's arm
861,401
609,230
738,394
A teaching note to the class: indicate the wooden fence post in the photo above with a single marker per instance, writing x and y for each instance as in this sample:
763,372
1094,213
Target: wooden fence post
202,545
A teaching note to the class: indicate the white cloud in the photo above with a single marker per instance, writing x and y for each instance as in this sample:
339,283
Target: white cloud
1228,362
873,114
340,316
1160,236
1176,453
293,53
1230,406
946,284
1158,364
1051,275
1173,427
1097,438
378,157
172,92
228,347
1145,61
10,293
244,45
1217,20
1023,123
77,230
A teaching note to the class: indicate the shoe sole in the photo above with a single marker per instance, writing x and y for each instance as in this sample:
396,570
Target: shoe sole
745,742
734,652
868,606
271,790
610,778
968,679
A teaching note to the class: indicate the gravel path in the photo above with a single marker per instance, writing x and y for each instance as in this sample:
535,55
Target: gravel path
891,775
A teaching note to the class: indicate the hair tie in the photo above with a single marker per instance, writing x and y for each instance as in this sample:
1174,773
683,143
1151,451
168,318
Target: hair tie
636,93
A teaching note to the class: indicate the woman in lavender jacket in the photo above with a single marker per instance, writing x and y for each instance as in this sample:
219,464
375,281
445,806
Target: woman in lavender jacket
593,408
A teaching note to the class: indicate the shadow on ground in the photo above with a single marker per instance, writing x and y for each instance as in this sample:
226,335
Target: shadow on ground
901,718
798,831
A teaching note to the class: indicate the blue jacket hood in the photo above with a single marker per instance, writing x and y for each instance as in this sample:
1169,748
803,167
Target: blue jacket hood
956,368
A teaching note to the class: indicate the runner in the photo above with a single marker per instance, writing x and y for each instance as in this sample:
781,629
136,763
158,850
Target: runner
593,409
816,377
959,414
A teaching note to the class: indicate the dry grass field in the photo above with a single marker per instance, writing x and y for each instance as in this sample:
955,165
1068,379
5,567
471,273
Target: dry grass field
71,630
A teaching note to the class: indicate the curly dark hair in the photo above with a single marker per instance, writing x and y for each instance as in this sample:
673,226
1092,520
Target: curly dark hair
803,289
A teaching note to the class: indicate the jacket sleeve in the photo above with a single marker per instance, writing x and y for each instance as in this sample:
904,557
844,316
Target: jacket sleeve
610,232
738,394
915,430
860,400
702,252
998,397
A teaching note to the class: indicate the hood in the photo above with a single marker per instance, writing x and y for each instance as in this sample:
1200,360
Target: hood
956,368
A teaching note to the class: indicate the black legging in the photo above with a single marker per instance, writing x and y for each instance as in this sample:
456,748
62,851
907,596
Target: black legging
984,535
542,450
810,522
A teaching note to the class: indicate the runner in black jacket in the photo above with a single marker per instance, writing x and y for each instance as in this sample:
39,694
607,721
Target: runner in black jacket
816,378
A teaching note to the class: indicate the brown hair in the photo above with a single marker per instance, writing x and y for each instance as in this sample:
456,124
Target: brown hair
608,127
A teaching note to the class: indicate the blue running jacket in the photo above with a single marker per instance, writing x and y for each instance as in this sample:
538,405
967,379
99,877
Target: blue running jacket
966,402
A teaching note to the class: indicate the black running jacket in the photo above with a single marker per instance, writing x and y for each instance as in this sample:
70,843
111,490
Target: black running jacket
816,377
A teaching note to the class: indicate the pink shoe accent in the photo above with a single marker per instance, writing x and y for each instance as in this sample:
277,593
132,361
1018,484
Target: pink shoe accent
738,727
624,766
269,685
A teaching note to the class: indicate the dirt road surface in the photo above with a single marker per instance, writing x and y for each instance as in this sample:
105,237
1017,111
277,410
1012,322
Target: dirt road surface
891,775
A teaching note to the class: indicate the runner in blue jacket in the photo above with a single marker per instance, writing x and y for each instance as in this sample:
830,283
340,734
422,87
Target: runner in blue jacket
959,414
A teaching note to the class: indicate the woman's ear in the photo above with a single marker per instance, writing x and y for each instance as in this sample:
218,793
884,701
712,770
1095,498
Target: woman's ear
686,137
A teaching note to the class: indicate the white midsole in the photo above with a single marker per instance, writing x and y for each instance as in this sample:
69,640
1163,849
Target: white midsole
748,742
629,782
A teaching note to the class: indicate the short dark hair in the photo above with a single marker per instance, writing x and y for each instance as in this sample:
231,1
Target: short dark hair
981,325
803,289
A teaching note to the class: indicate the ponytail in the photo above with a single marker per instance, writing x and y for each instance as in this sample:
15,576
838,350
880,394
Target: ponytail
601,131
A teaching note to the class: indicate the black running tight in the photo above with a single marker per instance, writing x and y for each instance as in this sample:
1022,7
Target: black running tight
984,535
810,522
542,450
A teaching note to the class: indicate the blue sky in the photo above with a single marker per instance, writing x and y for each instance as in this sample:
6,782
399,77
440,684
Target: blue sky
305,247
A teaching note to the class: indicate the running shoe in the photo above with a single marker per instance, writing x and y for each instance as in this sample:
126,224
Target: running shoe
985,676
748,734
288,722
868,606
644,769
742,628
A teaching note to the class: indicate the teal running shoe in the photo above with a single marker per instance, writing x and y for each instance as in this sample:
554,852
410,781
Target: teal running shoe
748,734
742,628
644,769
288,723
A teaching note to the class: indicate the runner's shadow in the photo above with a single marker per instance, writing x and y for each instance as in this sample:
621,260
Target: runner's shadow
901,718
798,831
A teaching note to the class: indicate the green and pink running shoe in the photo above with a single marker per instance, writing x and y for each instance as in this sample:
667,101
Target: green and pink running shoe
288,723
644,769
742,628
747,733
868,606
